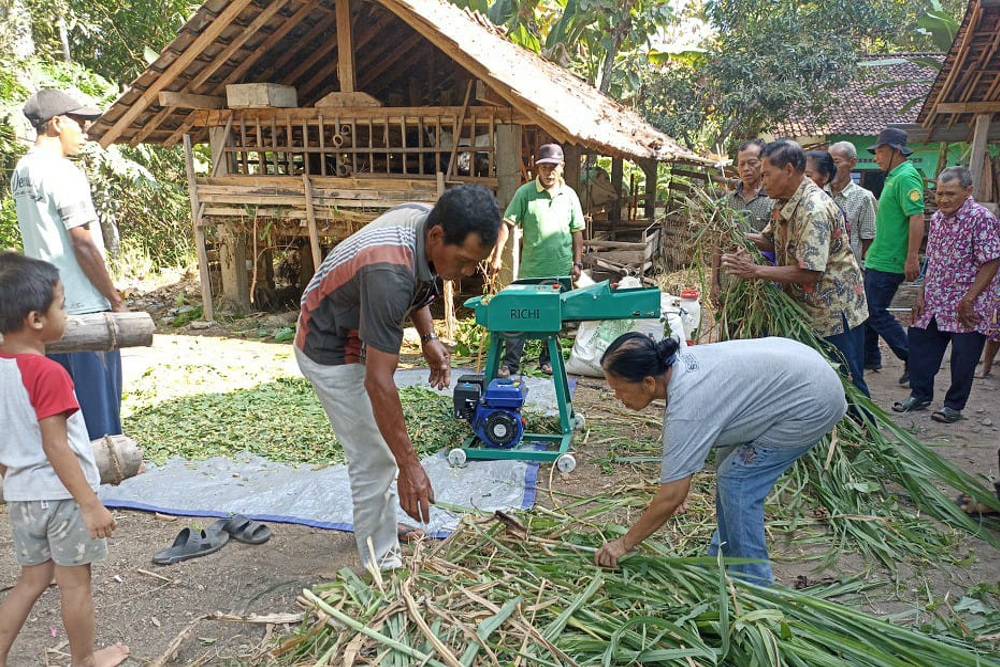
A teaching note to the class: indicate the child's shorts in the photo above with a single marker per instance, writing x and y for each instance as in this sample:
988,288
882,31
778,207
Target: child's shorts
53,530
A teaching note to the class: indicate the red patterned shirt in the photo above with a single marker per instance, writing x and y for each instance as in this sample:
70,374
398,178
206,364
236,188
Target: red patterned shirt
957,246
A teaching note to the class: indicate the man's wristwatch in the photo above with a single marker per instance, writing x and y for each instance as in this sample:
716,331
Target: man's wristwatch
577,265
426,338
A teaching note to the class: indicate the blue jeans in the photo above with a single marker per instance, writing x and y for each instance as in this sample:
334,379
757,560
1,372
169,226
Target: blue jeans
880,288
744,479
850,348
927,347
98,380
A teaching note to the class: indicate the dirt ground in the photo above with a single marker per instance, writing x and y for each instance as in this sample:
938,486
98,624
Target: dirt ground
148,607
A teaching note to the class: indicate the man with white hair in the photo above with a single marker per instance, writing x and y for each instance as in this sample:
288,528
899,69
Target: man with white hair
955,304
857,203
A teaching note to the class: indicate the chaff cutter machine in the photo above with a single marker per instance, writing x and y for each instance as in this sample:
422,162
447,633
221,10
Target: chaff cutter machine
536,309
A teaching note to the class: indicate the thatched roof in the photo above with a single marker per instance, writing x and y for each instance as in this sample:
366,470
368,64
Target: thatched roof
969,82
397,43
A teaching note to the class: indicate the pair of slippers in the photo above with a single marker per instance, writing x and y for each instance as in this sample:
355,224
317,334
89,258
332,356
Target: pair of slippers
195,543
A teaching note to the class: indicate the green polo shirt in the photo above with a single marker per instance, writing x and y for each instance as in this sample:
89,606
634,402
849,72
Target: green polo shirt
902,197
548,219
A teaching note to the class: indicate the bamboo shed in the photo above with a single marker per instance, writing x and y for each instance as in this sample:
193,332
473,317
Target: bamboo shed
321,114
965,99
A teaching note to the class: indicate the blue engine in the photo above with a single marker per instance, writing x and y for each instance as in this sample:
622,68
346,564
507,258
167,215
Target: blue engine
493,410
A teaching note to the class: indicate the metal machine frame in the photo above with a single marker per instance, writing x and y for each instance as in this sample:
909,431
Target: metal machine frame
598,302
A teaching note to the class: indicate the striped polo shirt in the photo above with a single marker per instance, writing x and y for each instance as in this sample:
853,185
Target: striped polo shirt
366,288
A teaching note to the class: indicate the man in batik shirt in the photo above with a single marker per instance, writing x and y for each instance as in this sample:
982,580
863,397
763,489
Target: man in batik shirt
955,303
814,261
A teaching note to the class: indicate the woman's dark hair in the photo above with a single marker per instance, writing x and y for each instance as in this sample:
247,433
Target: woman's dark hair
26,285
823,162
467,209
635,356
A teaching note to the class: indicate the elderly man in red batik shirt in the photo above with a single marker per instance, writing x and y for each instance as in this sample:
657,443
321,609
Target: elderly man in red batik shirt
955,304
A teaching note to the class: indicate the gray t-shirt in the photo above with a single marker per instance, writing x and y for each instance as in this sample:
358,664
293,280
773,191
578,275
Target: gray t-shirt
52,197
773,392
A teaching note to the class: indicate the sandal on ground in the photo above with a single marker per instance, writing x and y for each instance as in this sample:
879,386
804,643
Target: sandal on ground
973,507
503,373
911,404
192,544
947,415
243,529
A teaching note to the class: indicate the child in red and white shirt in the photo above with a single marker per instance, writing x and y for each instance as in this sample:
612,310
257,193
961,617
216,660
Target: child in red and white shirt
50,477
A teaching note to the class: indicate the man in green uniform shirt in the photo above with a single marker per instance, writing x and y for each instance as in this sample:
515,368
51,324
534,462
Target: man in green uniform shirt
549,214
895,253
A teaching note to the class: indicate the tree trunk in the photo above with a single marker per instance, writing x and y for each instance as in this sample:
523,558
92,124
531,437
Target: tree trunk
102,332
64,39
118,457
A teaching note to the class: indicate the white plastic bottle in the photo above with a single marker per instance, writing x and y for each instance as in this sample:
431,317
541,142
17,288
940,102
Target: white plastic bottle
691,314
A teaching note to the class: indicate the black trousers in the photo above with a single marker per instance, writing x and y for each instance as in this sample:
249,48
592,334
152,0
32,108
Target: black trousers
927,348
514,350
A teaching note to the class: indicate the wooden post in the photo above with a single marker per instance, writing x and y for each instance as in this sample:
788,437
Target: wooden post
232,243
942,162
508,148
449,286
651,169
317,253
207,307
345,47
617,178
977,161
571,172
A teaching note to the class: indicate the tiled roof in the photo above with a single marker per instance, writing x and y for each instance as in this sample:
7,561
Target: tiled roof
888,88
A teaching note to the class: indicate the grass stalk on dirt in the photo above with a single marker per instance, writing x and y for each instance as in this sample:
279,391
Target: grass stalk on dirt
502,593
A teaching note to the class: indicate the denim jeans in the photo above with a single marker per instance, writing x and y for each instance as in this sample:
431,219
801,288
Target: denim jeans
744,479
927,348
880,288
850,348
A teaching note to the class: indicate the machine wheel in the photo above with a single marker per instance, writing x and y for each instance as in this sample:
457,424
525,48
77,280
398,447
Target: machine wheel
457,458
579,422
566,463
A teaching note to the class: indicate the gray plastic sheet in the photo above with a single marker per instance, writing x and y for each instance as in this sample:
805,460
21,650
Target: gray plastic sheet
320,497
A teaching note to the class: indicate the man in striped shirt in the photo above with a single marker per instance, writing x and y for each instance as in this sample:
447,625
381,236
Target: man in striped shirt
349,334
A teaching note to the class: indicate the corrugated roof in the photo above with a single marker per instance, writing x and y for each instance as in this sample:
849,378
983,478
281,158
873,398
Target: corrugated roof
887,89
562,104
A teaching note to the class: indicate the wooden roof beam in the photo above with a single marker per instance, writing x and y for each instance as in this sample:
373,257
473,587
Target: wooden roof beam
328,69
345,48
967,107
169,98
258,52
207,36
959,63
321,26
150,126
398,51
328,49
249,31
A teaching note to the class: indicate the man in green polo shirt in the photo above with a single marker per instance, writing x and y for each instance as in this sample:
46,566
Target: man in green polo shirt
894,256
549,214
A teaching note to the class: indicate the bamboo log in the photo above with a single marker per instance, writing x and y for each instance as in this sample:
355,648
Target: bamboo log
118,458
103,332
